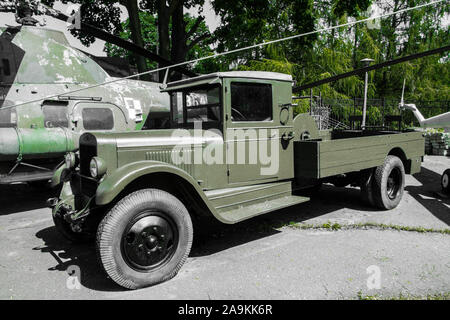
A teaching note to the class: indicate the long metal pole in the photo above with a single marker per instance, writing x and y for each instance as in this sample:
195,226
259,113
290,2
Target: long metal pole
366,80
370,68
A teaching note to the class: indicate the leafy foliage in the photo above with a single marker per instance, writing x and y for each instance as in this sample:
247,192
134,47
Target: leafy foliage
340,50
150,40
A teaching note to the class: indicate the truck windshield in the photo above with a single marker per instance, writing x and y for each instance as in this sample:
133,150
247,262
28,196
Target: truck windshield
199,104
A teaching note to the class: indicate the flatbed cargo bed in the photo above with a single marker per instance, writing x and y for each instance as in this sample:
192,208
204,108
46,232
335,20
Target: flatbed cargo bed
349,151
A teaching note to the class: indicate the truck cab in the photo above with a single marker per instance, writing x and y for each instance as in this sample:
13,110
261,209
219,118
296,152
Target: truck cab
234,150
244,112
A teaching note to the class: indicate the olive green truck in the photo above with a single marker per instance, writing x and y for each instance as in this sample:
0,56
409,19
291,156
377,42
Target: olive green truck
234,151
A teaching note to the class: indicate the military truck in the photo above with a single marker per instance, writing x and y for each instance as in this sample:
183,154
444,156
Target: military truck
139,193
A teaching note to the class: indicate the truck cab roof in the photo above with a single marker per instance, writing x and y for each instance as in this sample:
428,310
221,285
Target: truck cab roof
213,77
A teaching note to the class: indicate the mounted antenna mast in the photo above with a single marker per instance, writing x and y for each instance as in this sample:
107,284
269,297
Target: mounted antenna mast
402,101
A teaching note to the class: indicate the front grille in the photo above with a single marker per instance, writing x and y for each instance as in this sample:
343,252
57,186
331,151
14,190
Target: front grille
88,186
88,150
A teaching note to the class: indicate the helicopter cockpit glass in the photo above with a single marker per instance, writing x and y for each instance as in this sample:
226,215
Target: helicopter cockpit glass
8,117
10,58
50,60
97,119
5,68
55,115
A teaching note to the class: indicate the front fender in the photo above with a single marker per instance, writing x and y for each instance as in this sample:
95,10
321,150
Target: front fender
56,179
115,183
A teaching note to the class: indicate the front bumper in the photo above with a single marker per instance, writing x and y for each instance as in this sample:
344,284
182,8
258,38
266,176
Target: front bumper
70,205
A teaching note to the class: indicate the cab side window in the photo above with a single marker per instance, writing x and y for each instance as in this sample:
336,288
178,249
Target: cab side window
251,102
199,104
203,105
97,119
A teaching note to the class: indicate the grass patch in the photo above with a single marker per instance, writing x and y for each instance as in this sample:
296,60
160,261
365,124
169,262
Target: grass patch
365,226
401,296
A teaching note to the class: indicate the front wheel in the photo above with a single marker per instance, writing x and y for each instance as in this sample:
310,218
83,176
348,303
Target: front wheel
389,183
144,239
445,181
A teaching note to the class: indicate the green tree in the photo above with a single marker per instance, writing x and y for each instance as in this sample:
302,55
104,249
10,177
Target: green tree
149,31
176,36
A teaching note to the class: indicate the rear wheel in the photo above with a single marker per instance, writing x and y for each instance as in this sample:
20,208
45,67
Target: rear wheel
389,183
445,181
144,239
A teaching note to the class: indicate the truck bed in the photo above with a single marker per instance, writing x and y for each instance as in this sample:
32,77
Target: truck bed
349,151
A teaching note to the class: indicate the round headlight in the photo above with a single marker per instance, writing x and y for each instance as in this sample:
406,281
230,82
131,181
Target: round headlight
70,159
97,167
93,168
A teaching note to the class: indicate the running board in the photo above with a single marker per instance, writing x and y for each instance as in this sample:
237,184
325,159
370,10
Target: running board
253,210
237,204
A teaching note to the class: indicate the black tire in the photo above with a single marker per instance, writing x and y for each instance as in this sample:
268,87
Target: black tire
366,185
312,191
145,239
341,182
66,231
389,183
445,181
40,185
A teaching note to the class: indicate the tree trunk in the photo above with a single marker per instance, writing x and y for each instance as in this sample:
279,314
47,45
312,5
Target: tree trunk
163,32
179,38
136,36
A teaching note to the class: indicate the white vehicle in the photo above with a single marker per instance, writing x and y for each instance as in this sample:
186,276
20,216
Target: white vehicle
439,121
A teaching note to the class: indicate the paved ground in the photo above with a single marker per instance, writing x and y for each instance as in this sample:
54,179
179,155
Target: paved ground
259,259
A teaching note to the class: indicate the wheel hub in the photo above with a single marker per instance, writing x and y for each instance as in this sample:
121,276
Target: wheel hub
151,242
393,183
445,180
148,242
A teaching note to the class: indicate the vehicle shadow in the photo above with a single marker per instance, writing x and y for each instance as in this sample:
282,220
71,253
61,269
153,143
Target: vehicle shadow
217,237
22,197
428,194
212,237
83,256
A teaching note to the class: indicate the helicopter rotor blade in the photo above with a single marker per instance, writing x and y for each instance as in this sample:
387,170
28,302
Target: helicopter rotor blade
402,101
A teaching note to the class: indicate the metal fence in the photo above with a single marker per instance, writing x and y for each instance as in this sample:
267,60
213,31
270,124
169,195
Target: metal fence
347,113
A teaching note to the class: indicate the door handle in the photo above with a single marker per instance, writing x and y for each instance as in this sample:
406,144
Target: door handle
288,136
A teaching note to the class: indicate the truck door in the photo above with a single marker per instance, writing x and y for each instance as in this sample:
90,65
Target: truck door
257,121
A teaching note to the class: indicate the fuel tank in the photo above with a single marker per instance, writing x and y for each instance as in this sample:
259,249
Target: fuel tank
34,143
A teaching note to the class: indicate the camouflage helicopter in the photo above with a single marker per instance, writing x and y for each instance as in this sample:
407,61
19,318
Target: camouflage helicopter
37,62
